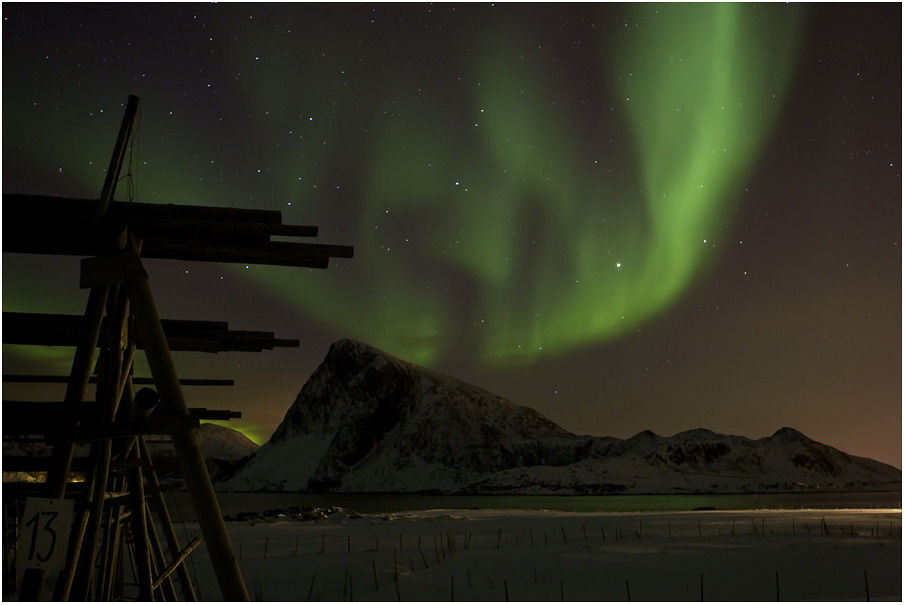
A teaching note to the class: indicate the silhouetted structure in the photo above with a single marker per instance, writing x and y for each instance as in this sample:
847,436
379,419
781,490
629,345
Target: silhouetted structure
120,490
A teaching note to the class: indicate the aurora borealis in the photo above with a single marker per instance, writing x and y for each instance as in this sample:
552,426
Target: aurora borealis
629,217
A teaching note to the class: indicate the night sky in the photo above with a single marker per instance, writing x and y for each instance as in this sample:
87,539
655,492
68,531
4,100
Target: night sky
625,216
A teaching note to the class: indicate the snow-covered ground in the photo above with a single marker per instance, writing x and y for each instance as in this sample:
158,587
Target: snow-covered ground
487,555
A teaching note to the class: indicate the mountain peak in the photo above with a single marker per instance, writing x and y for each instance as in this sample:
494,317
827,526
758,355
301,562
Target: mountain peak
366,421
790,435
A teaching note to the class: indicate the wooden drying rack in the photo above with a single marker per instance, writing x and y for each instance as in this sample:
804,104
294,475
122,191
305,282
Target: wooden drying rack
121,486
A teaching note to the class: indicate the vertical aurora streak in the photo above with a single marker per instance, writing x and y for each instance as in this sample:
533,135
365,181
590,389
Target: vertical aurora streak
555,252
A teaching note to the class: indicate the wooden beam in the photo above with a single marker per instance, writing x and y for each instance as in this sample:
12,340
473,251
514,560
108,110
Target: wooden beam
47,379
182,335
194,469
27,208
40,416
116,161
287,254
176,562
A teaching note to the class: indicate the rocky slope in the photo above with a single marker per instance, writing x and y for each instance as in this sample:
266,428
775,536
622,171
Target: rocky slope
368,422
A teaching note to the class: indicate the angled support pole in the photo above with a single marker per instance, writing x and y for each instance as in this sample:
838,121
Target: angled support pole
169,532
191,460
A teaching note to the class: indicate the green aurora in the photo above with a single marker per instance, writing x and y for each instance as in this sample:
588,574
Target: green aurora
554,209
554,251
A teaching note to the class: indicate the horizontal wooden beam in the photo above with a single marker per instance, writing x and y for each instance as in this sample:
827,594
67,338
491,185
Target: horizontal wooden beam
22,207
182,335
50,418
165,425
48,225
207,414
186,382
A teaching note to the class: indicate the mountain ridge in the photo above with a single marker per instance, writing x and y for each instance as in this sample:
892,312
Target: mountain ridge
366,421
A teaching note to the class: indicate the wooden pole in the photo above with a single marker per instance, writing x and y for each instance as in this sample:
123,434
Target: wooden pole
108,398
169,590
188,451
61,458
139,523
169,532
116,160
176,562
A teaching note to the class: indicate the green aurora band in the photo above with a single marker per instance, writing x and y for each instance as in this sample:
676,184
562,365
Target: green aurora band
553,253
553,209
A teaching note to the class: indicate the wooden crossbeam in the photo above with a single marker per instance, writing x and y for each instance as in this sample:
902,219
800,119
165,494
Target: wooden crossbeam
182,335
48,379
48,225
35,417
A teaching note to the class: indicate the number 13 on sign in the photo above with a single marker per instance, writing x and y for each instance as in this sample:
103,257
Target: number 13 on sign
44,534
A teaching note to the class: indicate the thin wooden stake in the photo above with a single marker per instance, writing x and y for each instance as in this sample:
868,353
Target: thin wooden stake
628,592
374,567
395,566
311,589
668,528
426,566
531,534
866,587
602,535
398,596
452,588
411,563
546,543
349,543
777,586
700,534
565,539
499,539
506,587
583,529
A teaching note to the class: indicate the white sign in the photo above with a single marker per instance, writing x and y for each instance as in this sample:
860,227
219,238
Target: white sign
44,533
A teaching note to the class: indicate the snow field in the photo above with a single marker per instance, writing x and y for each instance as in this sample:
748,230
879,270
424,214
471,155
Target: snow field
487,555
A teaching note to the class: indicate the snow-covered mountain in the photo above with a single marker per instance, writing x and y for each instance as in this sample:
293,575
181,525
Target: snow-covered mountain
368,422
